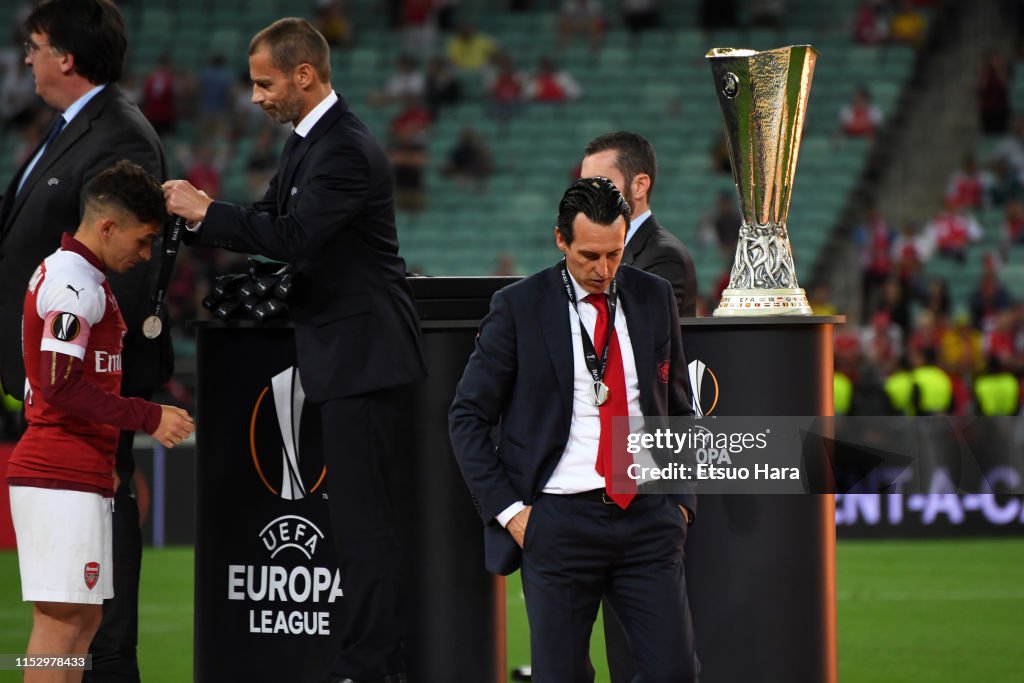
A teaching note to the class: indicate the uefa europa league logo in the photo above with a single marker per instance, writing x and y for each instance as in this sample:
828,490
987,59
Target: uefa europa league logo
763,97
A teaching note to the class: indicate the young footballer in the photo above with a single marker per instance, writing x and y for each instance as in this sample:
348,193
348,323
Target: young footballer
61,474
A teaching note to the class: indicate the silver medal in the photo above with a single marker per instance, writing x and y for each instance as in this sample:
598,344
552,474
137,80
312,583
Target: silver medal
152,326
600,393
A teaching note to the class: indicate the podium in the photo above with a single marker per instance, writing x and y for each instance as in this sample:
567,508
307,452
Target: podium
760,568
266,590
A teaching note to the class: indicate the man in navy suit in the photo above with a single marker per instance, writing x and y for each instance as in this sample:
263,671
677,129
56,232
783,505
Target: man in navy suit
329,210
560,355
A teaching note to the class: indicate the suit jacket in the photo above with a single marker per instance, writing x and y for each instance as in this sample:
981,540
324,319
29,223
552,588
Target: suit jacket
329,211
109,128
521,376
656,250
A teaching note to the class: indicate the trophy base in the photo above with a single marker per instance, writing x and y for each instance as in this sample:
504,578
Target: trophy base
752,302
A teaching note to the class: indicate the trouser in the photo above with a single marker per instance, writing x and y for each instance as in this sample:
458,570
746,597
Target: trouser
364,468
578,549
616,645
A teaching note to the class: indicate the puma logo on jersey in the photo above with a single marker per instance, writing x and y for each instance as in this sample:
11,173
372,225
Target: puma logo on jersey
76,291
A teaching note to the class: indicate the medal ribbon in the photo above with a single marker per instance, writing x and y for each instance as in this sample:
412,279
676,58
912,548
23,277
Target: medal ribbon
596,367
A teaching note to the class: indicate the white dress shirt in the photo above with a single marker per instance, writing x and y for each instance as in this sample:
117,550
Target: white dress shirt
315,114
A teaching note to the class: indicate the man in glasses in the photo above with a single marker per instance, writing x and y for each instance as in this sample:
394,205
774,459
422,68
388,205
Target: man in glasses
76,49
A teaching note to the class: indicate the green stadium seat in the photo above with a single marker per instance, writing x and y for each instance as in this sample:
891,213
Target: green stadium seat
672,102
157,20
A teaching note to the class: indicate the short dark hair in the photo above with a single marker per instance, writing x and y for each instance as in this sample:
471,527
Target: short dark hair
634,154
596,198
293,41
91,30
129,187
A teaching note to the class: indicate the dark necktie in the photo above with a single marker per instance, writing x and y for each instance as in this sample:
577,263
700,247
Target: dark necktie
613,460
51,135
289,147
54,131
282,170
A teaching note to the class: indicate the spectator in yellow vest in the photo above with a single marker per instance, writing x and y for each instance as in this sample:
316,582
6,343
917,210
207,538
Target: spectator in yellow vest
843,390
899,387
997,392
934,387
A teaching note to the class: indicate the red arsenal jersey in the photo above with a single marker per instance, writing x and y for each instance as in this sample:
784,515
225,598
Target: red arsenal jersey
72,332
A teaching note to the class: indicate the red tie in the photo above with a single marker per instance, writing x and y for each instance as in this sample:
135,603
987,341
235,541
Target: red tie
612,458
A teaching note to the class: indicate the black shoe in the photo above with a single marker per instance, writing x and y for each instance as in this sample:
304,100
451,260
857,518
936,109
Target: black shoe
523,673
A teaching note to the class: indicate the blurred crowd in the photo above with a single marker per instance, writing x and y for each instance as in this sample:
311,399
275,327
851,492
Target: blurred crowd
909,318
917,347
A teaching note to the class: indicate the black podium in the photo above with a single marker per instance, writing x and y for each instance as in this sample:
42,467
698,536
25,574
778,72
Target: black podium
760,568
266,589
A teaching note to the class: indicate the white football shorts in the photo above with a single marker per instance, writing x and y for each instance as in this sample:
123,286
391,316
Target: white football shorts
65,545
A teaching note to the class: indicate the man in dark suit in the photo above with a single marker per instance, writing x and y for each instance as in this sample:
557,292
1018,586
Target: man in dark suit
555,495
330,212
628,160
76,49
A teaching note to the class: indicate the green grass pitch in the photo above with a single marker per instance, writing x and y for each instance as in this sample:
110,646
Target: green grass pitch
909,611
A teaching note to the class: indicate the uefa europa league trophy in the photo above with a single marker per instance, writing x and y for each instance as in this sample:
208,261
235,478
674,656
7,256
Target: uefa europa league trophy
763,96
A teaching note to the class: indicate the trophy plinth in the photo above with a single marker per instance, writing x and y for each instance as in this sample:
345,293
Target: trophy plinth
737,302
763,97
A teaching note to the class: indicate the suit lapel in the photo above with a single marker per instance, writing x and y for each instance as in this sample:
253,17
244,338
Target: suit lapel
290,161
638,322
639,240
630,250
78,127
553,315
12,187
287,175
554,321
13,200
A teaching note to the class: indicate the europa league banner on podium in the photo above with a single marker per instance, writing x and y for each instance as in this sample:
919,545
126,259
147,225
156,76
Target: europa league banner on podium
266,580
763,97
